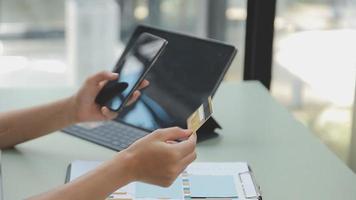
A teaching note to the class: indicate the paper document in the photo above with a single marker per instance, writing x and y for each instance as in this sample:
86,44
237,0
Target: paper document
225,181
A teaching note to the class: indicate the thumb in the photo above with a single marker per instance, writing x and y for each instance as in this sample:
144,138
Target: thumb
187,146
174,133
101,76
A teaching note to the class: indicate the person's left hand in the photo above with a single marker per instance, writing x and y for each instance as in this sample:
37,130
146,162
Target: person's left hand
84,106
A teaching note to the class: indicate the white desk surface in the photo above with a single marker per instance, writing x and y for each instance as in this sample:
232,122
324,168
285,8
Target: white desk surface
288,160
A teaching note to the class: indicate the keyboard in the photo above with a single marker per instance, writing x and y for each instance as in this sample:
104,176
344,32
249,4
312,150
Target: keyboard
110,134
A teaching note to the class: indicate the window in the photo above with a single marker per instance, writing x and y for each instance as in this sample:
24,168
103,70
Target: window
32,42
191,17
235,34
314,66
39,40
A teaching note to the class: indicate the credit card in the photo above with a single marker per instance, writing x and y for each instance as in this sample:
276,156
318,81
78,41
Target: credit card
200,116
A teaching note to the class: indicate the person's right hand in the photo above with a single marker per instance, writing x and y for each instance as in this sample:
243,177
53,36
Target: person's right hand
83,105
155,159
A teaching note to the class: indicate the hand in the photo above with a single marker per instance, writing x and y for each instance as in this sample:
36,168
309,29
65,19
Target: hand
157,161
84,106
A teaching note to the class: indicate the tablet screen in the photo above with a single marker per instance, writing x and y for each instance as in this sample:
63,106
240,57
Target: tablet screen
188,71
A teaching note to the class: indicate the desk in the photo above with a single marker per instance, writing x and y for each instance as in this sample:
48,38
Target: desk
289,161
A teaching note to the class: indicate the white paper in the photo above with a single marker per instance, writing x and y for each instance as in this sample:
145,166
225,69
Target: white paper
245,190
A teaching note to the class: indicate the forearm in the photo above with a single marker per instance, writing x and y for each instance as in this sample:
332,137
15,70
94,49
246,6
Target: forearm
22,125
97,184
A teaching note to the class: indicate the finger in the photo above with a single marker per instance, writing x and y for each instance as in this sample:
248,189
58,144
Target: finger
108,113
102,76
134,97
173,133
171,142
102,83
187,146
143,84
188,159
137,93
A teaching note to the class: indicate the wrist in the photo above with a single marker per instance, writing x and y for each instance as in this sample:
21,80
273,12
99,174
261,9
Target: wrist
72,110
127,160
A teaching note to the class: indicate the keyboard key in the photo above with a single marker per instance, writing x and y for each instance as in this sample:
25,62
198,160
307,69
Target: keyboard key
111,134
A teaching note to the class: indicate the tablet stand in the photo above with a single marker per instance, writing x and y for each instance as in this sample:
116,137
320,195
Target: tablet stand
207,131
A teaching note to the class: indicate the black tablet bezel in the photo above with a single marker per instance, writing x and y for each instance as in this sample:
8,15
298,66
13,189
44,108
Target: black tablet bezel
144,28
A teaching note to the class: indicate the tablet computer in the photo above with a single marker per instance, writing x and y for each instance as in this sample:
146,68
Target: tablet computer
188,72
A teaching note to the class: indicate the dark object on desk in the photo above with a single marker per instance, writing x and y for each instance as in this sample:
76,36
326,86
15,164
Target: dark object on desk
188,72
207,131
111,134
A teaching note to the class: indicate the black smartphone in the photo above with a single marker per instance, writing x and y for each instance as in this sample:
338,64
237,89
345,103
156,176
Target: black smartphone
132,69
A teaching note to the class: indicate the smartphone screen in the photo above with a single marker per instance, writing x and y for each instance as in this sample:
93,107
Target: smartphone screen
132,69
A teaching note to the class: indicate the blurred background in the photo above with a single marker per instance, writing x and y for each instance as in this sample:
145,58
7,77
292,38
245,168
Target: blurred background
48,45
